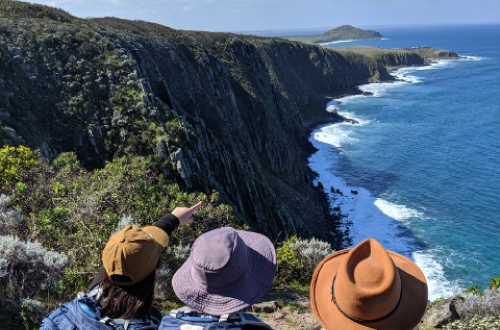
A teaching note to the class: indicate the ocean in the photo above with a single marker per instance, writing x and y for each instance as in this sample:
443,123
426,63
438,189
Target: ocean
425,157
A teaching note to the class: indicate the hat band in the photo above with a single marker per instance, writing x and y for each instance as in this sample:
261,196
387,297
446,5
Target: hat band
360,320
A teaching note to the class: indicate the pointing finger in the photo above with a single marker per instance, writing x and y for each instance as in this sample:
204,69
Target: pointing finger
195,207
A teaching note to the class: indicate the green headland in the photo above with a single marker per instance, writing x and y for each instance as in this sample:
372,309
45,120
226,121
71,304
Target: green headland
344,32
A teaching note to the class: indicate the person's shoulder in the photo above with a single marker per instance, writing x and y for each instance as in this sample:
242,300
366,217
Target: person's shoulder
62,317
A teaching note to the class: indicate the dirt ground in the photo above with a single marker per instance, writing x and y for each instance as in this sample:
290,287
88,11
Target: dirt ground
285,309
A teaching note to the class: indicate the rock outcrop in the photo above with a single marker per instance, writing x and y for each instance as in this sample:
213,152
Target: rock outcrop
444,312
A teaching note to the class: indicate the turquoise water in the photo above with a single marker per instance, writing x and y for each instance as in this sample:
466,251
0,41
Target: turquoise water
425,159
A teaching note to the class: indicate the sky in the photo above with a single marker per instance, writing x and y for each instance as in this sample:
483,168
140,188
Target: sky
254,15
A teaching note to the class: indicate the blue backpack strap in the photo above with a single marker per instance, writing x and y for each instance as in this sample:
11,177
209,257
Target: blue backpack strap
70,316
199,321
84,313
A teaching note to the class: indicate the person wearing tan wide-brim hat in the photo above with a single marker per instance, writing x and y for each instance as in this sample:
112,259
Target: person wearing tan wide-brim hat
368,287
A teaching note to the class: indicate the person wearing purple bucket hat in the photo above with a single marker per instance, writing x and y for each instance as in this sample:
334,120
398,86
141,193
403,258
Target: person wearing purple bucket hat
227,271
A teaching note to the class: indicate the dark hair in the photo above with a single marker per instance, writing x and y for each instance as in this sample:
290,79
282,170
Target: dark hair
127,302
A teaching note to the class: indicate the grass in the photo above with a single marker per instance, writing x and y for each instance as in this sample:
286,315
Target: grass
296,307
302,289
305,39
291,322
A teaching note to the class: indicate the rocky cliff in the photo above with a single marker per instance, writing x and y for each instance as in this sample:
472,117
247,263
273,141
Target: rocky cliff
399,57
219,111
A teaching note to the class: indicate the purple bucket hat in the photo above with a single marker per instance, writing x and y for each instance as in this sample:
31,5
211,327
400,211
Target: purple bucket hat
227,271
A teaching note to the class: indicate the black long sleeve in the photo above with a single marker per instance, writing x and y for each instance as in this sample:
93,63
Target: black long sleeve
168,223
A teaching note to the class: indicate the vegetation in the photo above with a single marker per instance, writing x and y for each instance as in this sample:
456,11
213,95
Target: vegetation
476,323
109,88
64,215
108,122
476,308
22,10
297,260
486,304
26,268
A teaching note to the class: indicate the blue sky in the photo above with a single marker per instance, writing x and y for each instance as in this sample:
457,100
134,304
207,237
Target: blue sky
247,15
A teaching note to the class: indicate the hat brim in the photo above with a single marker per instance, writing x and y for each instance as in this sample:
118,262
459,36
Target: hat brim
251,288
407,315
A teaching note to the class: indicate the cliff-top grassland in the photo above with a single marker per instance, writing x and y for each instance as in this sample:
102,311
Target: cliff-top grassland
108,122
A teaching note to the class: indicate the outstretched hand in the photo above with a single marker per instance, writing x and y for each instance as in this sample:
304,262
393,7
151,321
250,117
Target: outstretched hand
185,214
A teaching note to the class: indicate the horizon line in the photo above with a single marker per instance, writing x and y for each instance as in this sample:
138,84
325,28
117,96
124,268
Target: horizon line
361,26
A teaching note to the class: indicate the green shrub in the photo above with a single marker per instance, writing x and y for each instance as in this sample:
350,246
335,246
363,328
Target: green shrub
74,211
297,259
486,304
11,221
15,163
288,263
33,311
26,268
495,282
66,163
474,289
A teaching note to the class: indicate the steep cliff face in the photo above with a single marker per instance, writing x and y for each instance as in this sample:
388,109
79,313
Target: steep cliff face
244,100
220,111
397,59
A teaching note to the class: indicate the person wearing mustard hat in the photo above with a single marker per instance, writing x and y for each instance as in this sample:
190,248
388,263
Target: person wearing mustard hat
121,295
368,287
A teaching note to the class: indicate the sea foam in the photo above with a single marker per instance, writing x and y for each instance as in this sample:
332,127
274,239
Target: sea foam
470,58
335,42
369,216
366,215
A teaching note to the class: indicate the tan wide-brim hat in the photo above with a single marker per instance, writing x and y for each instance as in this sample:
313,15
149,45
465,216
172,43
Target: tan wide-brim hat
368,287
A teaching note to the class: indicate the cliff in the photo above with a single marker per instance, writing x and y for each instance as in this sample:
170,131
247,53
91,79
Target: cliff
399,57
219,111
133,119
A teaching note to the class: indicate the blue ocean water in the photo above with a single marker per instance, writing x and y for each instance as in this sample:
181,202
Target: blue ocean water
425,158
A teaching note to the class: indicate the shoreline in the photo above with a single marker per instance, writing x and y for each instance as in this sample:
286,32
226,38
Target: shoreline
362,214
347,41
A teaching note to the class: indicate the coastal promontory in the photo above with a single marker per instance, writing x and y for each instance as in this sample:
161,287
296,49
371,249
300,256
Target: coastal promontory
107,122
216,111
341,33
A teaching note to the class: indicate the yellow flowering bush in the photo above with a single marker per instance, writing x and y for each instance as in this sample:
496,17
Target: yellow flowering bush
14,163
